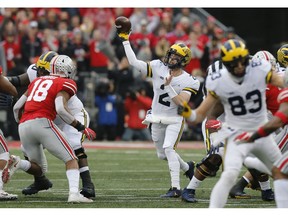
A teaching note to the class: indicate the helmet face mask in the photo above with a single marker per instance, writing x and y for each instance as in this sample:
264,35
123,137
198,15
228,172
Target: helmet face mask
43,63
234,52
282,55
178,53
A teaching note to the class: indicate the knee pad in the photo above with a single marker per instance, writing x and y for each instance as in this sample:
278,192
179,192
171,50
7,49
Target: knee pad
4,156
212,162
80,153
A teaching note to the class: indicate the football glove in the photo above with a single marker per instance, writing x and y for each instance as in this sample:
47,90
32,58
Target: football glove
215,149
244,137
124,36
89,133
184,110
6,100
213,125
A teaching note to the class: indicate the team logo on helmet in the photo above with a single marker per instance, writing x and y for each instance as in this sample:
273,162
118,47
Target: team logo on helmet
282,55
45,59
180,50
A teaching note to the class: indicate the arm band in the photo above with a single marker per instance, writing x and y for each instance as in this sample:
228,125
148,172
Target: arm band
193,116
171,91
282,116
262,132
79,126
62,112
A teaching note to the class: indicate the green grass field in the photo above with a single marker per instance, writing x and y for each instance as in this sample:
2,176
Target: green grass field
124,178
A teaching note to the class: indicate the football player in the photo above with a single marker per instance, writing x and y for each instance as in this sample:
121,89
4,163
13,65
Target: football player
7,88
46,96
75,137
244,102
171,86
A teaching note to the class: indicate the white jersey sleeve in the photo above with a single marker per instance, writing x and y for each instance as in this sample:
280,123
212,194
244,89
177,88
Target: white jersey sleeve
32,72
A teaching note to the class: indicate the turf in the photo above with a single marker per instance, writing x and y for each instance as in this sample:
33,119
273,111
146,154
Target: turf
124,178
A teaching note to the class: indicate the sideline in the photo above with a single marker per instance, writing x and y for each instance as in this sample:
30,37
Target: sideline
123,145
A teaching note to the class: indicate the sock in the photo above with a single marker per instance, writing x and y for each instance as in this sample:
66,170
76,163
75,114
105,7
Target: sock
194,183
265,185
281,193
24,165
174,167
73,180
242,183
246,179
86,178
183,165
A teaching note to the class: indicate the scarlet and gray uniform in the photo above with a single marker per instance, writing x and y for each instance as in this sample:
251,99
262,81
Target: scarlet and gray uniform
4,153
76,108
36,125
282,163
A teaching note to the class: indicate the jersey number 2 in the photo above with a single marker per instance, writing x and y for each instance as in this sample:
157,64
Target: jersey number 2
40,90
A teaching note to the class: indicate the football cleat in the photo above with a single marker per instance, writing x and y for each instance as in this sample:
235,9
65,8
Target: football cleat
88,192
172,193
267,195
6,196
190,172
239,195
188,195
43,184
12,165
78,198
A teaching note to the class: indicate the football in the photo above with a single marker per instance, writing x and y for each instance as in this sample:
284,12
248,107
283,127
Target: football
122,24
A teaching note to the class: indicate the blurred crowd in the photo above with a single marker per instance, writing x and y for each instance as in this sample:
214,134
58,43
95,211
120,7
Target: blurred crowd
115,94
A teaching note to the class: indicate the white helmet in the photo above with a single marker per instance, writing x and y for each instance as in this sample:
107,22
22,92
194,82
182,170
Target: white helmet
267,56
63,66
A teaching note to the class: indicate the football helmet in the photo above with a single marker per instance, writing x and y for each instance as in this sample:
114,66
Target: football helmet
180,50
232,52
282,55
63,66
43,63
267,56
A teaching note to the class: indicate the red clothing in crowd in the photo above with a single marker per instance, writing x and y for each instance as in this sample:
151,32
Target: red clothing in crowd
97,58
12,51
136,110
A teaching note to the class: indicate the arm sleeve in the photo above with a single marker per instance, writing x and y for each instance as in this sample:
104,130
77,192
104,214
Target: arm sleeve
62,112
138,64
19,104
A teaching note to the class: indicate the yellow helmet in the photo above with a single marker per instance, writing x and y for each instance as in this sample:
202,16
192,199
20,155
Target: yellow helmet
233,51
181,50
44,60
282,55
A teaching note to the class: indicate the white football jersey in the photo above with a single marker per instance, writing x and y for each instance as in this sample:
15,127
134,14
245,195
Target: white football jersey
162,104
245,103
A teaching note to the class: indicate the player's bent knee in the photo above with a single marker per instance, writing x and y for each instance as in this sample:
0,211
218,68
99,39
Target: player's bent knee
80,153
210,165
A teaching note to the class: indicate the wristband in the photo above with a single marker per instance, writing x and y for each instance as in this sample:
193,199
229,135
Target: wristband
261,132
282,116
171,91
79,126
193,116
